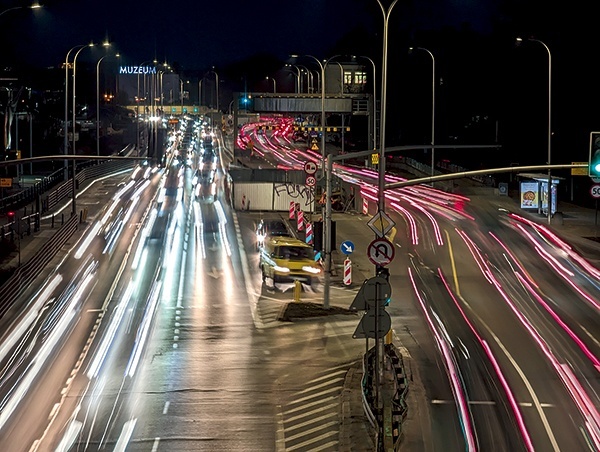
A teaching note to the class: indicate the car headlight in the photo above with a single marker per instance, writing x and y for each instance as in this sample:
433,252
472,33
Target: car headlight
313,270
279,269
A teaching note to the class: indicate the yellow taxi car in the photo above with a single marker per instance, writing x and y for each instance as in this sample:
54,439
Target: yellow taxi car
287,259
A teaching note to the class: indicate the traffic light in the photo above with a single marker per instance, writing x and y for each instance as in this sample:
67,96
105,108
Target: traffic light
594,161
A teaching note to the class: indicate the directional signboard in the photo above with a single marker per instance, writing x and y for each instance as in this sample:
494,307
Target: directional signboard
380,252
347,247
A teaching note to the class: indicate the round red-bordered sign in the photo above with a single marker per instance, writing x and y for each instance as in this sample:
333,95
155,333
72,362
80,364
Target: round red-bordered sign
381,251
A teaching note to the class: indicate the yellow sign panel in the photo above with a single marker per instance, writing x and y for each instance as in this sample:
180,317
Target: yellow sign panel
375,159
5,182
579,171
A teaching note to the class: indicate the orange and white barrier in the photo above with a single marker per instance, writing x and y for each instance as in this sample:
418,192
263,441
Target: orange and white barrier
365,206
292,210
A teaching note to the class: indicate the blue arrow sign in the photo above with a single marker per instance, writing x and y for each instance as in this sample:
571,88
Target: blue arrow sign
347,247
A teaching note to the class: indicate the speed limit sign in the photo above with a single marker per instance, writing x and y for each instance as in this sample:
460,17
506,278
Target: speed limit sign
595,191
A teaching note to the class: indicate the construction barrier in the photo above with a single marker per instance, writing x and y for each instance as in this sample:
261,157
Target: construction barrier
292,210
300,221
365,206
347,271
309,233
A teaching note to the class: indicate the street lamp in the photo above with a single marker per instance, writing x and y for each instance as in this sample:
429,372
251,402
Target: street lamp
274,83
549,212
216,85
66,137
381,185
98,103
297,73
432,106
73,162
34,5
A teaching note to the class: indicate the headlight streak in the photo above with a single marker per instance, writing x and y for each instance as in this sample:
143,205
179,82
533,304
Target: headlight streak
173,252
112,238
509,394
141,245
125,435
578,394
464,413
143,330
123,190
199,227
24,326
87,240
109,335
38,362
223,231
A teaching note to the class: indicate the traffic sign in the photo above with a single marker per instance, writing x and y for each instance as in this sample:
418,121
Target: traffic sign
381,224
310,168
6,182
595,191
311,181
347,247
380,252
366,326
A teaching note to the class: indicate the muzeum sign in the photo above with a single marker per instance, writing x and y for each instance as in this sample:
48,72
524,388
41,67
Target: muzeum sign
137,70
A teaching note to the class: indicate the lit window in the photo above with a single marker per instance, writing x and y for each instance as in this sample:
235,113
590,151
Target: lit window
360,78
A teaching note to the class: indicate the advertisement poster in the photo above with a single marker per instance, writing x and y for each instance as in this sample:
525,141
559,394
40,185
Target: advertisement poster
545,197
529,195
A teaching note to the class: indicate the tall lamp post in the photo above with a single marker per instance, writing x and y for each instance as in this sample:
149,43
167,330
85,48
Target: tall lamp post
274,83
73,162
98,103
66,137
432,106
549,207
386,18
297,73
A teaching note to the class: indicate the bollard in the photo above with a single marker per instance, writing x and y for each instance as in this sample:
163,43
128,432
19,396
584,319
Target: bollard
297,290
347,271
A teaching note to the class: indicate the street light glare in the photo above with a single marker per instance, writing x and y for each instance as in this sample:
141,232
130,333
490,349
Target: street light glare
36,5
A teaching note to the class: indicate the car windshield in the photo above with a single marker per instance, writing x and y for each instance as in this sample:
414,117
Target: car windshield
292,252
276,228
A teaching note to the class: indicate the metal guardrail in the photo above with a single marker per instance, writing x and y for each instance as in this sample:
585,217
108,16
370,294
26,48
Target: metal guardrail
399,407
26,273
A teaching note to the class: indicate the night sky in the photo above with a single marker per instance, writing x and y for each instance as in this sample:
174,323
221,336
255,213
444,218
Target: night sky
487,88
199,34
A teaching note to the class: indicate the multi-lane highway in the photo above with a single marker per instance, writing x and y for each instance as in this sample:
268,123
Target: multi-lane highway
155,332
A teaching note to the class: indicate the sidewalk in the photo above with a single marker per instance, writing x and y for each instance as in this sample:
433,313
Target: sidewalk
88,206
